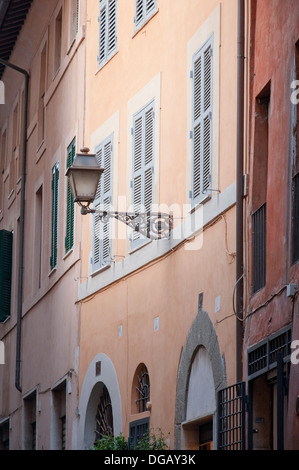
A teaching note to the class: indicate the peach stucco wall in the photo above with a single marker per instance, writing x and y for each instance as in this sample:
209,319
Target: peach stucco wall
168,286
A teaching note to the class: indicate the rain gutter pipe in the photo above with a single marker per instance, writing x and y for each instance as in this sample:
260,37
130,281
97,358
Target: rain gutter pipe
239,190
22,220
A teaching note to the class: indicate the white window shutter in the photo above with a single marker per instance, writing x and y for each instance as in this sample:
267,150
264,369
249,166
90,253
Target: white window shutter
202,122
107,30
102,230
144,9
143,164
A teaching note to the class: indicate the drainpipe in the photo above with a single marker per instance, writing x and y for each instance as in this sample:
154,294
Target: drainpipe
22,219
239,191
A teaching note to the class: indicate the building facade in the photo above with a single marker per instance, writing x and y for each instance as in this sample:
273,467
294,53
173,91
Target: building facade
157,330
39,278
271,306
135,317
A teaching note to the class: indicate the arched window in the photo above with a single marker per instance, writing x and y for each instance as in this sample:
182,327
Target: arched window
140,389
104,415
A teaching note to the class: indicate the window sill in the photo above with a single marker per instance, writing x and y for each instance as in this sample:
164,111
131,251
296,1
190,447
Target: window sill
53,270
145,22
103,64
68,253
100,270
146,243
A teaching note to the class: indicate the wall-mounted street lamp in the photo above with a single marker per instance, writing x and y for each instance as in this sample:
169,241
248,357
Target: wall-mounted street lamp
84,176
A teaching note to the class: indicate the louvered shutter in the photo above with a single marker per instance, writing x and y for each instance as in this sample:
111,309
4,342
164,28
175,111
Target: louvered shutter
74,19
102,230
143,10
107,30
143,165
5,273
202,123
69,237
55,183
138,12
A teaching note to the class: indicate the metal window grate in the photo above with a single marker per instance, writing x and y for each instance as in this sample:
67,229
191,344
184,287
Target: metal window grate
295,219
281,343
259,248
263,356
258,359
231,417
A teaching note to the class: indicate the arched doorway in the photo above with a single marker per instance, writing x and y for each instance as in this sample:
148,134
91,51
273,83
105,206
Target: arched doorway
201,374
100,409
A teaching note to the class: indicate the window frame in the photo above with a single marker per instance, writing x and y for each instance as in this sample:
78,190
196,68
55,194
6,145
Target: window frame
146,14
201,164
70,210
101,249
146,169
105,33
54,226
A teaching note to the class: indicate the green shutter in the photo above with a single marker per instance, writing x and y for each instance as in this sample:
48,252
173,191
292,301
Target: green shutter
55,181
5,273
69,237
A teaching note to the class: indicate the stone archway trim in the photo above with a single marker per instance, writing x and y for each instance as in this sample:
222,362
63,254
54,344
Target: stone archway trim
201,333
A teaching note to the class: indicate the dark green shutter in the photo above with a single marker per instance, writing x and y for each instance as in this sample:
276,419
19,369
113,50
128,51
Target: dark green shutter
69,237
5,273
55,180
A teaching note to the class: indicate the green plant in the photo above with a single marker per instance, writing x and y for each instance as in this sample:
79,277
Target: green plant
150,441
111,443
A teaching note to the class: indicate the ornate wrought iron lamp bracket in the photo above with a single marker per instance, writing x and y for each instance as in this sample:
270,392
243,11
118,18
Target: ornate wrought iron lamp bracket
152,225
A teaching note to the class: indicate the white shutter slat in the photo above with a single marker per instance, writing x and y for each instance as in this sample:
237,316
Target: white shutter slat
139,11
149,136
99,153
111,27
102,35
196,161
207,78
138,144
206,165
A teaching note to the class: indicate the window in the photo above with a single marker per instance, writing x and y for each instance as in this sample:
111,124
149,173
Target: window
140,390
138,429
104,415
107,31
69,237
144,10
74,20
55,181
4,435
201,134
59,417
5,273
42,90
58,36
38,236
259,188
259,248
143,165
102,202
30,418
295,180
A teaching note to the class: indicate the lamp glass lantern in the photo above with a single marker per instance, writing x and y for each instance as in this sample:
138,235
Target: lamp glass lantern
84,176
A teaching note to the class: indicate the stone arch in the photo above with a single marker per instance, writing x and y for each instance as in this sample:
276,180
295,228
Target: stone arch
201,334
100,373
